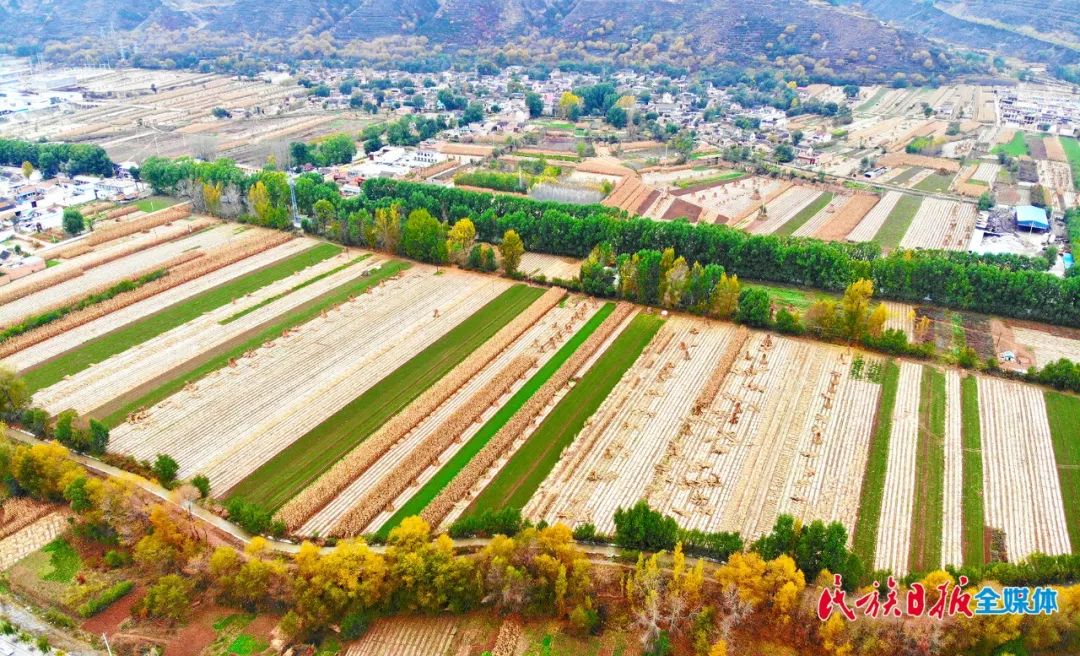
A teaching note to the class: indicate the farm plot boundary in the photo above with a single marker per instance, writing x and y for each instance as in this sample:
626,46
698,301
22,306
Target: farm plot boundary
926,516
291,470
170,383
121,339
419,500
521,476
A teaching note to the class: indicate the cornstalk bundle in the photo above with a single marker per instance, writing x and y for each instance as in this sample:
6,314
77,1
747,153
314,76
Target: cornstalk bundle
302,507
121,211
184,268
427,453
502,441
151,220
38,284
133,248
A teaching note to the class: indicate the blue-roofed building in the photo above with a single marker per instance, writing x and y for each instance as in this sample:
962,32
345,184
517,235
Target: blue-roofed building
1029,217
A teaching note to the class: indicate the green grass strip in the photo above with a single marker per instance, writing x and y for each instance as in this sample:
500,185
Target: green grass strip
1063,412
873,486
935,183
1015,148
1072,151
928,512
155,203
63,560
522,475
118,341
906,175
971,434
869,104
275,297
805,214
708,180
331,298
898,221
290,471
457,462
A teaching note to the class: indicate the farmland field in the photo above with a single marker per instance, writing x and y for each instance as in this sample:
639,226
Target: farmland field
1020,476
458,460
94,343
308,455
896,225
726,402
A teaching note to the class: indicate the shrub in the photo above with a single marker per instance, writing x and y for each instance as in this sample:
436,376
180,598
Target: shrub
487,523
165,470
105,598
641,527
202,484
253,518
116,559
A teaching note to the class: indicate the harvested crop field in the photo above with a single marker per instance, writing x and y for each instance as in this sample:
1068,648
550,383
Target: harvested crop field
894,527
130,266
941,224
379,329
782,209
444,432
753,440
846,218
1046,346
110,379
410,636
315,452
732,199
549,266
1023,491
80,338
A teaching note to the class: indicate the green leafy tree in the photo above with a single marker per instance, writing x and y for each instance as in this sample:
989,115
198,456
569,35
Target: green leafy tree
165,469
535,104
424,238
755,308
641,527
73,221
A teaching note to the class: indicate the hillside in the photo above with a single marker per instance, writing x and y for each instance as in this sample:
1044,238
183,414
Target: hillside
680,33
1037,30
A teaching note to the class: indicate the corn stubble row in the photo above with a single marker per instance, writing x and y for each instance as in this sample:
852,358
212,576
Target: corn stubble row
502,441
181,269
46,280
429,452
329,485
151,220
